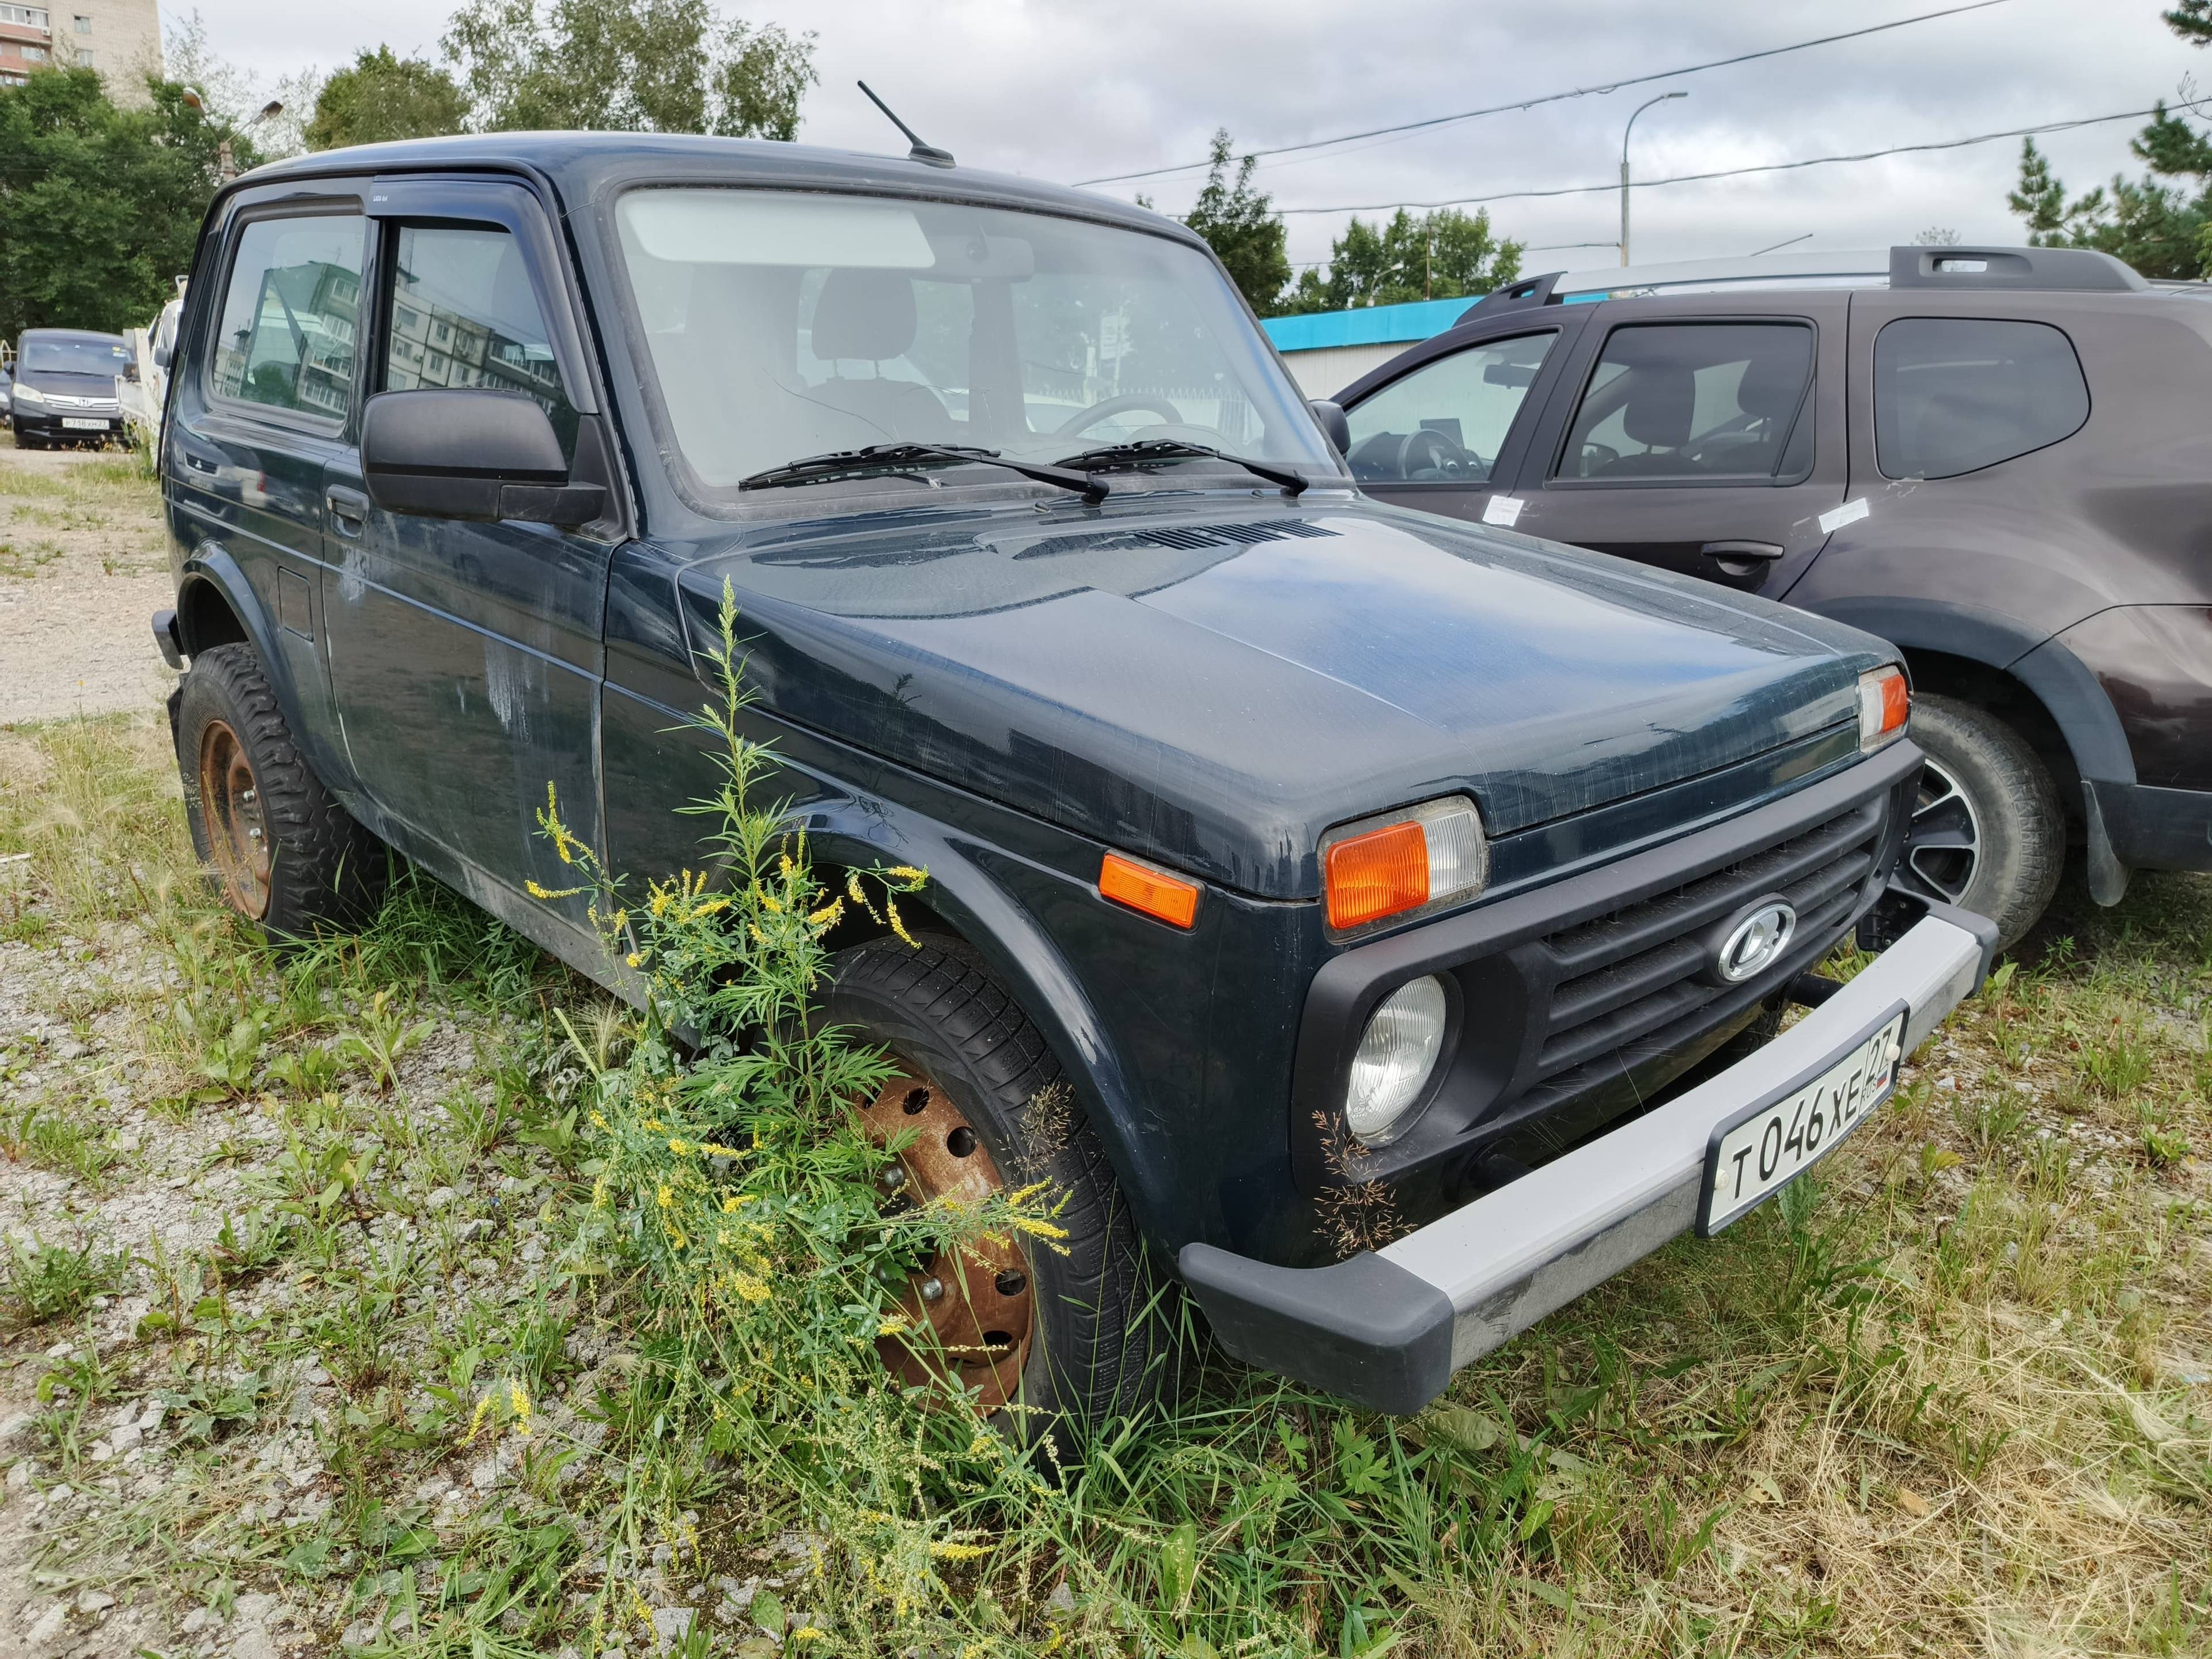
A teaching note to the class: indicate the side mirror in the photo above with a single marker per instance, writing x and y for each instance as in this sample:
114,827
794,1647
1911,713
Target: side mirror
1333,424
470,454
162,354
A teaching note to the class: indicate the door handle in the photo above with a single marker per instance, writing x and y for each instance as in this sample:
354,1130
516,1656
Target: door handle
1741,559
349,509
1741,550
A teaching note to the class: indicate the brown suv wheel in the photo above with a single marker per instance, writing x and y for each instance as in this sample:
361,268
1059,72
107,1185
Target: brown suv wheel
1988,834
278,847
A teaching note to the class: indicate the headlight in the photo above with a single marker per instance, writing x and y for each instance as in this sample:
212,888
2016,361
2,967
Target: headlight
1885,703
1401,863
29,394
1396,1053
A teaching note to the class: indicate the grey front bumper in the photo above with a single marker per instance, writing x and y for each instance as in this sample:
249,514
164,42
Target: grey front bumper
1387,1329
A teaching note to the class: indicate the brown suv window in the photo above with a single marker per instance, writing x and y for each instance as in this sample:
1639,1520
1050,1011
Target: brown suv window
1712,401
1955,394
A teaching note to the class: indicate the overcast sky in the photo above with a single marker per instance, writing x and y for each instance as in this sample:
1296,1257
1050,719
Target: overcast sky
1064,90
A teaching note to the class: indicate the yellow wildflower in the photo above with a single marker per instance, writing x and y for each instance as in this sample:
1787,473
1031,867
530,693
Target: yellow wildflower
768,902
898,926
679,1148
538,892
476,1421
1037,1229
893,1325
853,888
660,905
908,873
519,1397
636,958
749,1287
600,1194
667,1197
957,1552
828,916
808,1633
715,1149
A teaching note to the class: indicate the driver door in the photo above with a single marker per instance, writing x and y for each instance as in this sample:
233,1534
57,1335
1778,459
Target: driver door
1701,438
1444,436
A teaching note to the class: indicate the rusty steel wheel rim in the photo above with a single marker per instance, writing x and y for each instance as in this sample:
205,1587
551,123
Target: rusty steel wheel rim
977,1302
237,833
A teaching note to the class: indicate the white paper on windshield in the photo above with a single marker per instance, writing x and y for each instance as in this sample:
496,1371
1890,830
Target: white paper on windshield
1849,513
1504,511
758,227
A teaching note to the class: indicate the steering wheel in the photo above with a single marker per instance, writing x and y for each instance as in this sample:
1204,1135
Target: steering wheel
1120,405
1429,451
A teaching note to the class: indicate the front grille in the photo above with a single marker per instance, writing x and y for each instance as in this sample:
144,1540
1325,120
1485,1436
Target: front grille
1626,977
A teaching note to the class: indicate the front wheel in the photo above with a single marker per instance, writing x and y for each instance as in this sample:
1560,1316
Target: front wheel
1076,1333
1988,833
278,847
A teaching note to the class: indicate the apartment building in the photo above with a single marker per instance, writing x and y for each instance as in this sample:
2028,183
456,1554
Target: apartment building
121,39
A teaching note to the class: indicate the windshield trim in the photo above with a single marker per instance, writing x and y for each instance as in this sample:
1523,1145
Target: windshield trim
733,505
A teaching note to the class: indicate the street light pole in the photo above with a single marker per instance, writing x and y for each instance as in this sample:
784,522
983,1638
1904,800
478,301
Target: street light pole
1625,131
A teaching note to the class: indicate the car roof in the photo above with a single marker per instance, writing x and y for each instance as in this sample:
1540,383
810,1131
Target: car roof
70,334
578,162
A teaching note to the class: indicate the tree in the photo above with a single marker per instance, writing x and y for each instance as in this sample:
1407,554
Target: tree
384,97
1443,255
2162,229
627,66
1239,223
100,207
235,95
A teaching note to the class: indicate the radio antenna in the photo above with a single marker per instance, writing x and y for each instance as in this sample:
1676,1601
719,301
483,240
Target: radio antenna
920,151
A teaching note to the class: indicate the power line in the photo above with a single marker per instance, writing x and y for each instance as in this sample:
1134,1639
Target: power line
1557,97
1737,173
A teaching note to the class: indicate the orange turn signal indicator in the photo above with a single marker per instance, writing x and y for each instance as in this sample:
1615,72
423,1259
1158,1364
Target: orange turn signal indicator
1884,705
1153,892
1377,874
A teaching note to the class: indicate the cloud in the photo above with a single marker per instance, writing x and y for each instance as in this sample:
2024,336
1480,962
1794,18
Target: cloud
1060,90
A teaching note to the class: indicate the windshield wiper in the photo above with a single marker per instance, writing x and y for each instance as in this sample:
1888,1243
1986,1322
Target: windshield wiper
891,458
1175,449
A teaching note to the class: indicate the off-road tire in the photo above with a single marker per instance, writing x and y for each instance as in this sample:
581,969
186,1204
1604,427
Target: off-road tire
1102,1335
325,869
2022,825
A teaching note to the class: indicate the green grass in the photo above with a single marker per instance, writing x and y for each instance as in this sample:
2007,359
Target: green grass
1950,1398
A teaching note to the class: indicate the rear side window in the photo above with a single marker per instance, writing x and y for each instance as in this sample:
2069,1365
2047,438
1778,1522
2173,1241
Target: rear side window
1447,420
285,337
464,313
1704,402
1954,394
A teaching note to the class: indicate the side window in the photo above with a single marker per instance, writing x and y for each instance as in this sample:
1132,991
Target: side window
1954,394
1706,401
287,334
1448,419
463,313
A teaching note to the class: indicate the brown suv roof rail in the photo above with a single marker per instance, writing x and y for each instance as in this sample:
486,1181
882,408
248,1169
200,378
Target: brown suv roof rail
2048,268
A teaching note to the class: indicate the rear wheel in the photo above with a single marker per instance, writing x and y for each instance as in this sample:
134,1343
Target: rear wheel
278,847
1078,1334
1988,833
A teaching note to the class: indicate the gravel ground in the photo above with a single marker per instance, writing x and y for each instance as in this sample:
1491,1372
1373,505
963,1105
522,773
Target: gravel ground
82,566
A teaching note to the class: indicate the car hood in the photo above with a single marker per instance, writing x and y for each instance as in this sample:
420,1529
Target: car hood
1213,689
73,385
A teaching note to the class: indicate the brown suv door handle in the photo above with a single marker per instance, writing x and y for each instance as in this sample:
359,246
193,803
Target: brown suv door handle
1741,559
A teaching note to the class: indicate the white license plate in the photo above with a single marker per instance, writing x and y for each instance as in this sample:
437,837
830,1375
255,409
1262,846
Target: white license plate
1765,1147
78,423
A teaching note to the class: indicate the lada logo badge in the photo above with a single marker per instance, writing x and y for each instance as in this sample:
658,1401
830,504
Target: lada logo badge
1755,943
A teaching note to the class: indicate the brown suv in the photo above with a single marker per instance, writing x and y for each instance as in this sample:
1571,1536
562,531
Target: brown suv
2001,459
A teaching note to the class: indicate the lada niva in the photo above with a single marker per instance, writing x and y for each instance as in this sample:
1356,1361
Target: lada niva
1382,925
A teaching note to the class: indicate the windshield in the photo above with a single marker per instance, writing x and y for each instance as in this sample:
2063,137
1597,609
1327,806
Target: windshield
105,358
782,325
